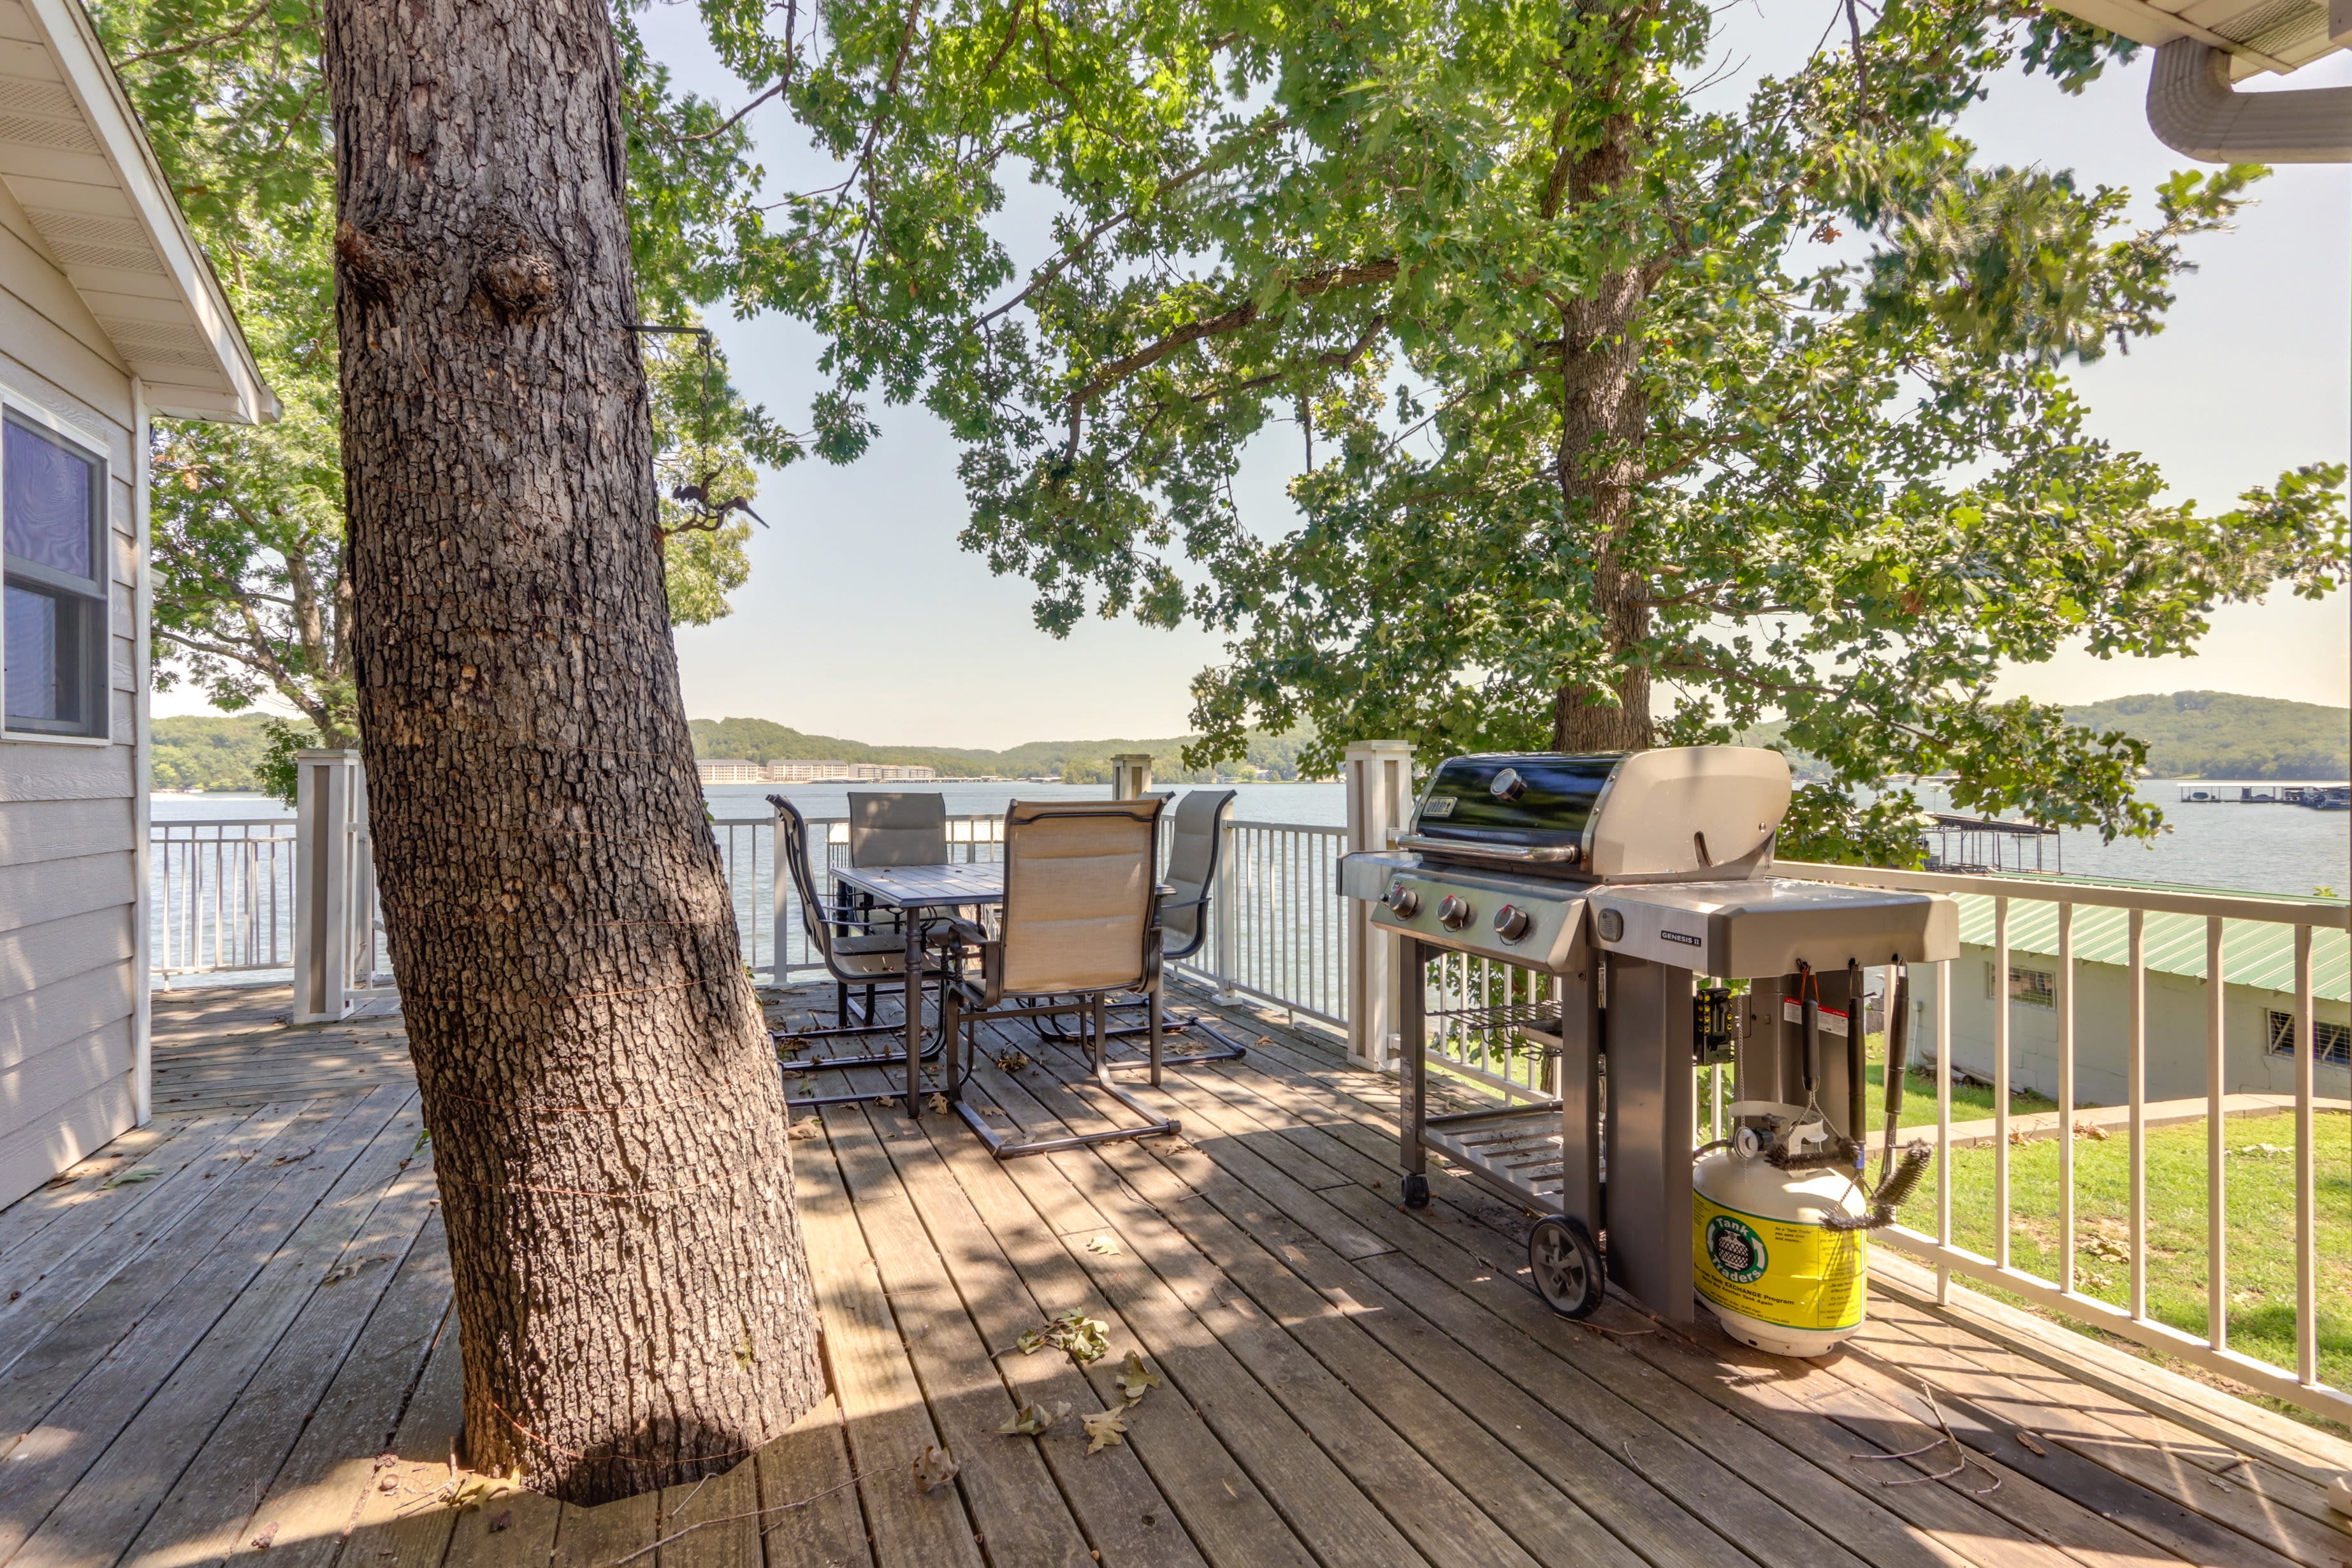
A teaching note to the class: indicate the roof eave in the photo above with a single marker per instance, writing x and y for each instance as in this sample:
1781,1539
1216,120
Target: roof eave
247,399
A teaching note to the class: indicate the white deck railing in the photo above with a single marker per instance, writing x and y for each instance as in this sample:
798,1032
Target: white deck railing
223,892
224,901
1278,930
2210,1349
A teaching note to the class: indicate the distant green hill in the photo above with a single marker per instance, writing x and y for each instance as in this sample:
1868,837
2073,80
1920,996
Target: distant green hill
201,752
2197,734
1079,762
2221,735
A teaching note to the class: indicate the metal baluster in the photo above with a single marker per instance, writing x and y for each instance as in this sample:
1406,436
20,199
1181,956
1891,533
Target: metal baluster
2136,1043
2066,1000
2000,1081
1944,1125
2307,1220
2217,1207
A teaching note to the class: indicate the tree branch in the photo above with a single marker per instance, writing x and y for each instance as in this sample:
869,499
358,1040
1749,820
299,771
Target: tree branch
1166,188
1232,321
241,26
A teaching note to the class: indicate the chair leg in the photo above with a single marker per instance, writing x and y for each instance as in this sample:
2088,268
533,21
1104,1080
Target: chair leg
840,1005
1157,1038
890,1058
1094,1030
952,1031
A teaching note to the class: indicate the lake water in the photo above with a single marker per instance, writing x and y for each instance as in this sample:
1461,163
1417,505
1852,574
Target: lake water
2284,849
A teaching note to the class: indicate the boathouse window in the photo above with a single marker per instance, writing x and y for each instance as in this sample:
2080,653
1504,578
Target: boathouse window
2329,1042
52,580
2034,987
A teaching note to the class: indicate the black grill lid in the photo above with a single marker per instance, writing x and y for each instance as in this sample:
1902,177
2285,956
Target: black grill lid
1538,799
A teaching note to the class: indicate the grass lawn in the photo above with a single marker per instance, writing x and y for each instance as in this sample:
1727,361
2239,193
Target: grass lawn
1969,1102
2261,1203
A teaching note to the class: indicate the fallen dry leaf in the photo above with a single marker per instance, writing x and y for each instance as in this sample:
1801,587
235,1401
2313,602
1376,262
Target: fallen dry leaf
1033,1420
1011,1061
886,1102
1104,1428
1108,1245
1083,1337
806,1130
935,1102
1134,1377
933,1468
2031,1447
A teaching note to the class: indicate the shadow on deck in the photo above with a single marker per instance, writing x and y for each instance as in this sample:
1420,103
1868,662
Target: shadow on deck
229,1335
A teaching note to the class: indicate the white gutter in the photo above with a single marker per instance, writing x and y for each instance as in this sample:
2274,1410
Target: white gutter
2194,111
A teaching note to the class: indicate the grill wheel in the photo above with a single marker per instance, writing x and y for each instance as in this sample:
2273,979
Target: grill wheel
1566,1265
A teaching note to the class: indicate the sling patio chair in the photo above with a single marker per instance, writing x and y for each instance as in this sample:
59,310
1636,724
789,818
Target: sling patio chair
897,827
1078,925
1196,839
855,950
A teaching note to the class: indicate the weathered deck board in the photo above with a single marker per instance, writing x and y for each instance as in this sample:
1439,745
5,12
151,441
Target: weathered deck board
1213,1499
193,1366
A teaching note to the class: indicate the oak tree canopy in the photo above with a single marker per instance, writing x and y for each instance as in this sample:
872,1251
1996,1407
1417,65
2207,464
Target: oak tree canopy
1621,416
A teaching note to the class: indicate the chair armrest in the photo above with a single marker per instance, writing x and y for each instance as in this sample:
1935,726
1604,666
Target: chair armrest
965,931
847,915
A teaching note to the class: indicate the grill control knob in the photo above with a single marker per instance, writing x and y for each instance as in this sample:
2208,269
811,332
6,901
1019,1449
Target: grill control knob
1402,902
1454,912
1511,922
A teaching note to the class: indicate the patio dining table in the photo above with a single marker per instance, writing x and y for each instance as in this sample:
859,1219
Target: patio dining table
915,891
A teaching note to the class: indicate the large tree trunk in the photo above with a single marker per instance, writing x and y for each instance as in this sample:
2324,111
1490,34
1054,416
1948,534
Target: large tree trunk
608,1124
1604,416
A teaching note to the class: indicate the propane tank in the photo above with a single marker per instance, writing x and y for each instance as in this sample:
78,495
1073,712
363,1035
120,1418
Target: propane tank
1763,1254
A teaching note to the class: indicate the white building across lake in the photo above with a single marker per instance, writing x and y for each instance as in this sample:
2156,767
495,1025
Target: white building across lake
108,314
801,770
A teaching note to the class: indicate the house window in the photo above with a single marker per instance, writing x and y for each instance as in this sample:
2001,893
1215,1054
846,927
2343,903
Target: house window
2329,1042
53,572
2034,987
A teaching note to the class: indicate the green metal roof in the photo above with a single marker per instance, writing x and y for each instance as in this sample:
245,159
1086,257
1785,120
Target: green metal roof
2254,952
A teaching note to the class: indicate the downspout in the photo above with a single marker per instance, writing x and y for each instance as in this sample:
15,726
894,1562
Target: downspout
2194,111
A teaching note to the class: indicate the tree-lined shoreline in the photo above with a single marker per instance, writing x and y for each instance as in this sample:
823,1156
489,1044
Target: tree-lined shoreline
2190,734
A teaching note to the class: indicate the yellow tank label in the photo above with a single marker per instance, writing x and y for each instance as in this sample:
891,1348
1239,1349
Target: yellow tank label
1777,1271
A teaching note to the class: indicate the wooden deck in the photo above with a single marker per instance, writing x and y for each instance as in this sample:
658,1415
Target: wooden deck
229,1336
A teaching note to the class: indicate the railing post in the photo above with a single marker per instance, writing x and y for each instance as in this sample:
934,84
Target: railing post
1225,929
330,813
1380,797
1131,775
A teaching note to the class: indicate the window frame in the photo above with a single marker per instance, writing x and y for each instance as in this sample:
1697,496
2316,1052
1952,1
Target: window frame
2331,1042
96,591
2045,997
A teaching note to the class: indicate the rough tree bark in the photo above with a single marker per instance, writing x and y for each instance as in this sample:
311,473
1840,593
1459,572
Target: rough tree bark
1604,415
608,1124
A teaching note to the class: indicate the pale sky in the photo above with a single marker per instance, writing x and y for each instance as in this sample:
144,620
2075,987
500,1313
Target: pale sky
863,620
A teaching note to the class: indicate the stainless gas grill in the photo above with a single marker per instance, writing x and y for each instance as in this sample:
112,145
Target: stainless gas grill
1625,877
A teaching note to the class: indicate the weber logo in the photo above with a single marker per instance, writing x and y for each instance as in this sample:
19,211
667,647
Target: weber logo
1686,941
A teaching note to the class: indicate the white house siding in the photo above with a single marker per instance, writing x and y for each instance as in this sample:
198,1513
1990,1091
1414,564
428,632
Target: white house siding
70,989
2175,1023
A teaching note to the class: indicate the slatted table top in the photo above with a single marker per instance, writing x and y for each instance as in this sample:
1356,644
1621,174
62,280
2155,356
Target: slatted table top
927,887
